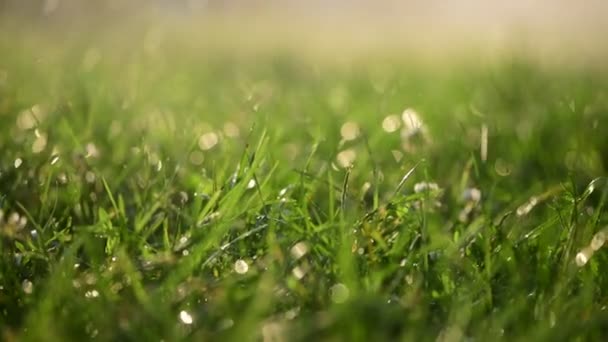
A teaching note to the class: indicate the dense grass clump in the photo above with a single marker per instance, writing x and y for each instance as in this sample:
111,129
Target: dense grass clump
173,195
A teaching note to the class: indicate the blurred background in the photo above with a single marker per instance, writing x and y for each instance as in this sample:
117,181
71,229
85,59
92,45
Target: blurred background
550,29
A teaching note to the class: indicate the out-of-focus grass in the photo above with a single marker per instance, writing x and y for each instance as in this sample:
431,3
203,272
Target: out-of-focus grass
166,192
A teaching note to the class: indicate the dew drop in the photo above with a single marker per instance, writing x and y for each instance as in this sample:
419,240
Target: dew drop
299,250
26,120
472,195
339,293
412,123
40,143
598,241
241,267
226,324
527,207
502,167
92,151
208,140
293,313
231,130
349,131
197,157
91,294
22,222
27,286
13,218
398,155
54,159
391,123
90,177
298,272
581,259
425,186
346,158
185,317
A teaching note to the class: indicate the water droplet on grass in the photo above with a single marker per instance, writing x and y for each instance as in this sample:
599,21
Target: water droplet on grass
18,258
425,186
293,313
90,177
208,140
241,266
471,195
40,143
598,240
391,123
183,241
527,207
54,159
299,250
346,158
22,222
283,192
197,157
183,197
298,272
412,123
92,151
13,218
90,279
226,324
91,294
583,257
26,120
349,130
27,286
502,168
339,293
231,130
398,155
185,317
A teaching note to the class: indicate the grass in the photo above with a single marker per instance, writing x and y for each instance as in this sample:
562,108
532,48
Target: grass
190,195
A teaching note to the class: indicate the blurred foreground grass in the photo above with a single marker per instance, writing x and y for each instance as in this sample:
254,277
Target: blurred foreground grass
158,191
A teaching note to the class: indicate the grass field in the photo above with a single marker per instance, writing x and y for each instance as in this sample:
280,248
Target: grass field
182,194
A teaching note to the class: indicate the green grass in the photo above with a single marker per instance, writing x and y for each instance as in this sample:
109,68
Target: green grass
117,225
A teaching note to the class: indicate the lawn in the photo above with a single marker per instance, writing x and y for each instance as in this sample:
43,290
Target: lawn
179,193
